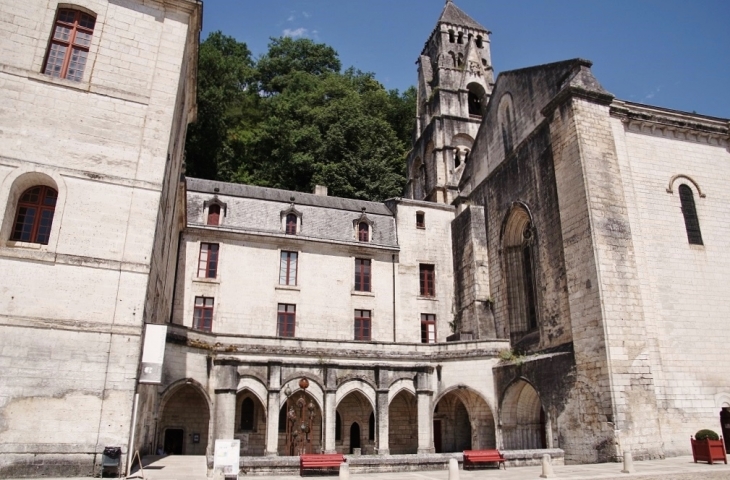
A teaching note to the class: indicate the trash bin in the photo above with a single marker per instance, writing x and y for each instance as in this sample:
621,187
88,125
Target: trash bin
111,459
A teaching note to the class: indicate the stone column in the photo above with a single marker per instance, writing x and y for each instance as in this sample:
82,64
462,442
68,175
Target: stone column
272,416
382,422
425,413
226,381
329,422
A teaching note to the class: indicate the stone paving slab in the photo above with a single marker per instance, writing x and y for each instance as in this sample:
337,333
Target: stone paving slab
677,468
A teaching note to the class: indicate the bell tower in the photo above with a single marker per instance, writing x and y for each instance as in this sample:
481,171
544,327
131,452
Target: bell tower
455,80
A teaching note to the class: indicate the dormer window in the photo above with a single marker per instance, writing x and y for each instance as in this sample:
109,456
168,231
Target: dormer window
363,232
291,224
214,214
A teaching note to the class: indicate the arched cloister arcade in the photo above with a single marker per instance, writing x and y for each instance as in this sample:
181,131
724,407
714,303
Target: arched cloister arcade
462,420
523,418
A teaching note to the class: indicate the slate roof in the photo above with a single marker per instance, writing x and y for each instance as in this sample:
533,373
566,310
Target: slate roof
276,195
453,15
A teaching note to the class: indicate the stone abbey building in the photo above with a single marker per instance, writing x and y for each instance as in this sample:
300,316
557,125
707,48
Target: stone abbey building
554,279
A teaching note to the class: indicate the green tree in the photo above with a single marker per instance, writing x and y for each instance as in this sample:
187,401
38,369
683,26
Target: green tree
287,55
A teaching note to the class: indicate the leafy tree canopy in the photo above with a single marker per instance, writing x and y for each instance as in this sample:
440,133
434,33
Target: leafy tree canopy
292,119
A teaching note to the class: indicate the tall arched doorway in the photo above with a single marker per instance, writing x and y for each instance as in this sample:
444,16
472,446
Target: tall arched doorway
250,424
354,410
184,423
523,418
403,424
314,436
463,421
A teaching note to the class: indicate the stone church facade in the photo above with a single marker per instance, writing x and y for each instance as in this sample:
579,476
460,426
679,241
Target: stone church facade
554,278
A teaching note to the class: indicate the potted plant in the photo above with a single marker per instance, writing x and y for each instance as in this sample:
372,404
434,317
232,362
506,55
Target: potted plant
707,446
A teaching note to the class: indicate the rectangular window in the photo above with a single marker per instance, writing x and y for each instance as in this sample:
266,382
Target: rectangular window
203,314
69,45
362,275
420,220
288,268
286,319
427,280
362,325
428,328
208,260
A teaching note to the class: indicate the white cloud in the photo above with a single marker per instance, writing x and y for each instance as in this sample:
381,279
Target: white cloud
306,15
651,94
294,33
291,18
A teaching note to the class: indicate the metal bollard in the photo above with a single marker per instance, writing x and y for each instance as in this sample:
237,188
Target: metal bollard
344,471
547,467
628,463
453,469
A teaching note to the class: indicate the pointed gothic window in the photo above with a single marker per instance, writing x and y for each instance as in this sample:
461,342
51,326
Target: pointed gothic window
520,274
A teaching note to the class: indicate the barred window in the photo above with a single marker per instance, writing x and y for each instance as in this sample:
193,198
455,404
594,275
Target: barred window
69,45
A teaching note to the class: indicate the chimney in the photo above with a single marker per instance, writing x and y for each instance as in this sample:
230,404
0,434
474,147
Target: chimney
320,190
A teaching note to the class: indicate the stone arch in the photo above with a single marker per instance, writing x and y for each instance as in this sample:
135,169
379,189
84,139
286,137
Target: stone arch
670,187
355,408
185,419
480,433
462,145
401,384
359,385
315,390
505,118
296,402
20,180
250,426
255,385
476,98
722,400
403,423
522,417
519,267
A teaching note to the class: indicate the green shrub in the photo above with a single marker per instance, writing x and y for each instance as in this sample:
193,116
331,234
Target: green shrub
703,434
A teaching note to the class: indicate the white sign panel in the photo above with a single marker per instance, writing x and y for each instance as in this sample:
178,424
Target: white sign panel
153,353
227,453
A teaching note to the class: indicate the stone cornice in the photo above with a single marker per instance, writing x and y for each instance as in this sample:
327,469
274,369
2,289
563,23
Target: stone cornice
672,123
575,91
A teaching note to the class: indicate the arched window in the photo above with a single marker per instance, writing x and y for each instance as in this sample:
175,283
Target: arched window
460,60
451,36
214,214
247,414
460,38
480,42
520,274
363,232
476,99
291,224
338,427
691,221
69,44
371,427
34,216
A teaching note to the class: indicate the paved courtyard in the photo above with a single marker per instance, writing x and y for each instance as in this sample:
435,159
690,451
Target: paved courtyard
677,468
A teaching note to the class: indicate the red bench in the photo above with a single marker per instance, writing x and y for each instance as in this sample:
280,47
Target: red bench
472,457
319,461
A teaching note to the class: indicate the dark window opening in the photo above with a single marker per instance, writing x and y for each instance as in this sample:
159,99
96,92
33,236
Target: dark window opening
282,419
475,104
507,131
480,42
691,221
247,414
460,38
420,220
362,275
427,280
451,36
286,320
214,214
529,287
338,427
34,216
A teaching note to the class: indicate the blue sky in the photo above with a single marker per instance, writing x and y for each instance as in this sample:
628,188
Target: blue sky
669,53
